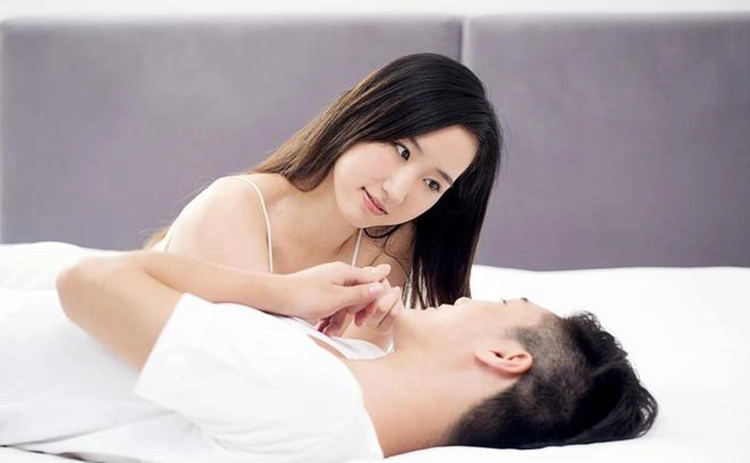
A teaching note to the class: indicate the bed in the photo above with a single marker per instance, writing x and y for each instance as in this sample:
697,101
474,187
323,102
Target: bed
684,328
624,190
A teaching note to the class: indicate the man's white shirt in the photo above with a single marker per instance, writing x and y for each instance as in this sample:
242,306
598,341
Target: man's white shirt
224,383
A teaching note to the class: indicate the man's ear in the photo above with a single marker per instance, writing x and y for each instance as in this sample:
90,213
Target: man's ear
509,360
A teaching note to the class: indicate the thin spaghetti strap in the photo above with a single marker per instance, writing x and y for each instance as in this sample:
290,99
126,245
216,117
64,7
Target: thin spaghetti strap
167,238
265,215
356,248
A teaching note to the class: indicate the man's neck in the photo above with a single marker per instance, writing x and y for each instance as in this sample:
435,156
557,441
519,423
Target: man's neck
411,408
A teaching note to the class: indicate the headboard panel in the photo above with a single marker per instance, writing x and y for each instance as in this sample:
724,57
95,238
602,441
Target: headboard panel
109,127
628,138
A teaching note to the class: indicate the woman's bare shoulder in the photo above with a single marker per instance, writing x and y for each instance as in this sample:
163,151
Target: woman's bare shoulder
272,186
239,187
224,224
226,195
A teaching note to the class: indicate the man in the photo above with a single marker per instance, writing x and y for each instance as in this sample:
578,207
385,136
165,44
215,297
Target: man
207,378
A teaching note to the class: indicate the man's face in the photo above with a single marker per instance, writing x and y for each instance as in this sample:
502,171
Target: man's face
467,322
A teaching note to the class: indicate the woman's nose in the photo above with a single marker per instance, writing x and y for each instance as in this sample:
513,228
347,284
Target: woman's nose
397,187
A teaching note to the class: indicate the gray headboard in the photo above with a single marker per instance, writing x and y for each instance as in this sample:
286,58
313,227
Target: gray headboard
628,138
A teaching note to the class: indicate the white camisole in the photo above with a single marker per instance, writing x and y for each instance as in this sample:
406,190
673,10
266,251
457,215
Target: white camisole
349,348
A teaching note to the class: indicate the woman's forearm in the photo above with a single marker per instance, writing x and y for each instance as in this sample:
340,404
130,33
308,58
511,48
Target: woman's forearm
125,301
209,281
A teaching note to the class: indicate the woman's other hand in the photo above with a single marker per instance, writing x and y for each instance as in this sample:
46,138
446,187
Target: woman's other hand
382,312
378,316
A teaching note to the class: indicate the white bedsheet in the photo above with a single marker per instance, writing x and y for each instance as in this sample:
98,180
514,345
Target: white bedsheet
685,330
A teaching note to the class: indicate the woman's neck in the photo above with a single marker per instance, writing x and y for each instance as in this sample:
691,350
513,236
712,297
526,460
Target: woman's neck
310,222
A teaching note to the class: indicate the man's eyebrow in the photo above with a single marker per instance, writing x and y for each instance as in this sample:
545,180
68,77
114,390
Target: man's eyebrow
444,174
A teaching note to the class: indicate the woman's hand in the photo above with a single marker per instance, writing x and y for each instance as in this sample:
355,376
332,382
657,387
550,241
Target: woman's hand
382,312
378,316
327,289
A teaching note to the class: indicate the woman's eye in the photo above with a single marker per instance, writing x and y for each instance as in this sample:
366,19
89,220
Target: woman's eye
402,151
433,185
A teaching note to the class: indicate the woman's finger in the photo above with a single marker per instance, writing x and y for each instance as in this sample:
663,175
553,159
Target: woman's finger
382,306
390,319
358,276
361,315
335,325
349,297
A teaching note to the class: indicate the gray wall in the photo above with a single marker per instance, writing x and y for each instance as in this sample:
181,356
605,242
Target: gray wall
628,138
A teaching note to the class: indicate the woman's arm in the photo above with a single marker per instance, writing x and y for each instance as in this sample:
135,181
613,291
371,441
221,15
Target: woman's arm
124,301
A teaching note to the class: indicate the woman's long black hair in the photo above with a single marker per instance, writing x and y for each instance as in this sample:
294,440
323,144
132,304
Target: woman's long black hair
413,95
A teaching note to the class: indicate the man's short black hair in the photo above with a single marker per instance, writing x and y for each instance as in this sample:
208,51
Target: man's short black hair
580,389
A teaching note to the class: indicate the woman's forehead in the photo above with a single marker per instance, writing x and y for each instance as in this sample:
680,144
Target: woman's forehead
451,148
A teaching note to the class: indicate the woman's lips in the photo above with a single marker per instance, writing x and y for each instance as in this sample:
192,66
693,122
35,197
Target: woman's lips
373,205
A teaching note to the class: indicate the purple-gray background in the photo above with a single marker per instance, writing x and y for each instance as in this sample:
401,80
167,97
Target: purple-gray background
628,138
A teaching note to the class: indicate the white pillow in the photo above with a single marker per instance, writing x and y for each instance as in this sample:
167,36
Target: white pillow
30,266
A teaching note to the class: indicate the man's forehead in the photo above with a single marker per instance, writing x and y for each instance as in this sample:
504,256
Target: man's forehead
519,310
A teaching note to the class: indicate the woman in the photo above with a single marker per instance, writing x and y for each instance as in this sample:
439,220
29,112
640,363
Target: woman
397,170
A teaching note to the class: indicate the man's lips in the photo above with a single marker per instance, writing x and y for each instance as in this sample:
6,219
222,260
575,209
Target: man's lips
374,202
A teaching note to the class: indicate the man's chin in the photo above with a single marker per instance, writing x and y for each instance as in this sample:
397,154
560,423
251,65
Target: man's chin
405,324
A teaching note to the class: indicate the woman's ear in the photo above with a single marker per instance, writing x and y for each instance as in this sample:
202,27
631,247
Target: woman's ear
505,360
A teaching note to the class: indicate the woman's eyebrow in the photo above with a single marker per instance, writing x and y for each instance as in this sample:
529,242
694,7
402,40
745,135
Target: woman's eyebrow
413,141
446,177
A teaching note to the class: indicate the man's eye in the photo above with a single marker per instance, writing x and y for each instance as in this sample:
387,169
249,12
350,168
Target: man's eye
402,151
433,185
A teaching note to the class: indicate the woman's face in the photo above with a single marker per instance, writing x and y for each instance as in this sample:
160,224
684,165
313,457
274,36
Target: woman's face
379,184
